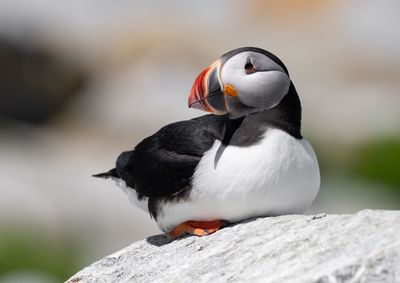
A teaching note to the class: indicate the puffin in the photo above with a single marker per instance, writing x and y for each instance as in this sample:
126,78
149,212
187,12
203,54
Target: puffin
246,159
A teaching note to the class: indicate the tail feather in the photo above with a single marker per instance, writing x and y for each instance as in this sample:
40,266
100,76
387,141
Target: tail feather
110,174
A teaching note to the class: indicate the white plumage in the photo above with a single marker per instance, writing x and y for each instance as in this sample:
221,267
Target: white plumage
278,175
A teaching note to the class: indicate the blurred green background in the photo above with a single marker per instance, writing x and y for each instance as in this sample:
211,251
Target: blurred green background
81,81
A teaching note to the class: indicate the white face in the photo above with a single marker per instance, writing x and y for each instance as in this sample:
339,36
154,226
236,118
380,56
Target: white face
260,83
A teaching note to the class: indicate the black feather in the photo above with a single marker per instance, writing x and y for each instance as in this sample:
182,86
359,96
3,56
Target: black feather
162,165
109,174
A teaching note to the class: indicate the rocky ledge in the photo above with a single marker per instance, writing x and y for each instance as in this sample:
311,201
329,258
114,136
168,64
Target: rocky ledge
361,247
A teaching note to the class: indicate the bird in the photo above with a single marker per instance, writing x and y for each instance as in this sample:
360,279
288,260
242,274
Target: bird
245,159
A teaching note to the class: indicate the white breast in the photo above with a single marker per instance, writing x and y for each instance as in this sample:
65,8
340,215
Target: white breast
278,175
132,195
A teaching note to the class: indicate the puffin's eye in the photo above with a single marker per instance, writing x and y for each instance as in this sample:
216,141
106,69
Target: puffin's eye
249,67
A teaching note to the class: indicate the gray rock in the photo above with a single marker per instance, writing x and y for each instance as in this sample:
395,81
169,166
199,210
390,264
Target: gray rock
363,247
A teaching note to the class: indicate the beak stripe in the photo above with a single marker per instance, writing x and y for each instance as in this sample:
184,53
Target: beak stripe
198,92
206,93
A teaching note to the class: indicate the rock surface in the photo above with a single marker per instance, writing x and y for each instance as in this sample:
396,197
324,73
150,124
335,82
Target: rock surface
363,247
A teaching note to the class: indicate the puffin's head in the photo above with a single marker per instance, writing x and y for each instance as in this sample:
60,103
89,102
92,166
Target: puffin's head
243,81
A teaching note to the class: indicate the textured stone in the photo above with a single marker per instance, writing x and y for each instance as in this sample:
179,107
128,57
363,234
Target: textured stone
363,247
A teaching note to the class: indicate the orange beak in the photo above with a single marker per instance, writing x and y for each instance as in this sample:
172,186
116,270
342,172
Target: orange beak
197,98
206,93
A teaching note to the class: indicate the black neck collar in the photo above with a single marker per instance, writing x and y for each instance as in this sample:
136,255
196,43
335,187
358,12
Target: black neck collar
287,114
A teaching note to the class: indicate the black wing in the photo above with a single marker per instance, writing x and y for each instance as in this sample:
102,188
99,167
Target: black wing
162,165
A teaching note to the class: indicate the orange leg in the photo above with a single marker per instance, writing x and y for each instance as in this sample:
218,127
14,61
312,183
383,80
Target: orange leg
196,228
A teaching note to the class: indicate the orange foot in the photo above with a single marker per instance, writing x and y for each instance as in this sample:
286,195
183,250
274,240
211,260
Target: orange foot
196,228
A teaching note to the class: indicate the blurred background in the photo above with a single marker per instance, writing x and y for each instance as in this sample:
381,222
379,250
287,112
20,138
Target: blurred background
81,81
